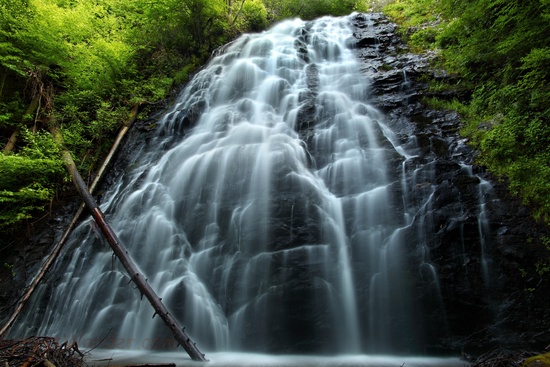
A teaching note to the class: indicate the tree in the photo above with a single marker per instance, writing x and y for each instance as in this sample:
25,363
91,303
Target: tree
82,64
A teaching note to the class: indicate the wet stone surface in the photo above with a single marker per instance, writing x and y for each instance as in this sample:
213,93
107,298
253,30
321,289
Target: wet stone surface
506,305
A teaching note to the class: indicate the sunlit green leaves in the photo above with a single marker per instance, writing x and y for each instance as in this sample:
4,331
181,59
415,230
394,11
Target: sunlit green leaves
16,206
38,145
82,64
25,184
13,13
250,15
501,50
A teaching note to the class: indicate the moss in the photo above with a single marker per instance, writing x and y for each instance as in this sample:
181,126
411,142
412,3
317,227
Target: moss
541,360
385,67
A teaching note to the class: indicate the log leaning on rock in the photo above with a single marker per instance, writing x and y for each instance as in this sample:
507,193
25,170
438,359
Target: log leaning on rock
122,254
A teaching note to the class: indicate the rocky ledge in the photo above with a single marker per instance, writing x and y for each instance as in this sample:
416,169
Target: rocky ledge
508,308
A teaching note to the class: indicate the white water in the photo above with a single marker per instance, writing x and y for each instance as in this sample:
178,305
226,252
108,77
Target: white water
121,357
264,228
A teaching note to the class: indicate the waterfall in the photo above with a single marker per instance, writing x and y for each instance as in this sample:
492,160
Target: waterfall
274,210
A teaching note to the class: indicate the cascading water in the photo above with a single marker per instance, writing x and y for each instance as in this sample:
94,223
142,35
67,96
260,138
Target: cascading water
274,211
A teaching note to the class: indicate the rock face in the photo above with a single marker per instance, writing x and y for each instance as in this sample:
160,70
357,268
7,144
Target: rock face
486,288
491,292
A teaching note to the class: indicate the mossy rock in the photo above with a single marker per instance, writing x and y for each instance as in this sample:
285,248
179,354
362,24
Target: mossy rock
541,360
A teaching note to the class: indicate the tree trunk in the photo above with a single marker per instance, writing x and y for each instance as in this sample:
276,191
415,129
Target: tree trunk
237,15
122,253
127,124
59,245
4,73
10,145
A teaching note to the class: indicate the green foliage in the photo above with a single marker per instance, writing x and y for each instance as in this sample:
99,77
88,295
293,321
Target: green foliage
39,145
310,9
82,65
175,29
26,184
501,51
411,13
317,8
19,171
28,180
424,38
251,15
506,54
183,74
418,22
16,206
449,105
9,112
12,13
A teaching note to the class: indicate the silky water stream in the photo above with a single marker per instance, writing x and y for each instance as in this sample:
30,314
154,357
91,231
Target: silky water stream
274,211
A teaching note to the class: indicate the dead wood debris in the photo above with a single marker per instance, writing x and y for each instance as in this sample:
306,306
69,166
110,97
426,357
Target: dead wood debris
39,352
502,358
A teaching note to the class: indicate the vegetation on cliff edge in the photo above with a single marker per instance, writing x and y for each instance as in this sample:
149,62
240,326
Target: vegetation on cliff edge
500,52
81,65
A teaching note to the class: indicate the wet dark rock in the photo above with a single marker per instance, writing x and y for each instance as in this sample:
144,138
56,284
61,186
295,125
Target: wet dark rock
307,115
510,307
23,252
368,41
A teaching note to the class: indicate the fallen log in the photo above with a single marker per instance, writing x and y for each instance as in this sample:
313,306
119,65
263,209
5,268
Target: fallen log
50,260
122,254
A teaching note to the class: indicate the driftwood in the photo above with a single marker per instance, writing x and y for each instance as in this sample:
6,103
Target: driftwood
122,254
47,352
40,352
59,245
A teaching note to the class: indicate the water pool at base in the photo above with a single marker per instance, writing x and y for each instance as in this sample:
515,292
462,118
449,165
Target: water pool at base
112,357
